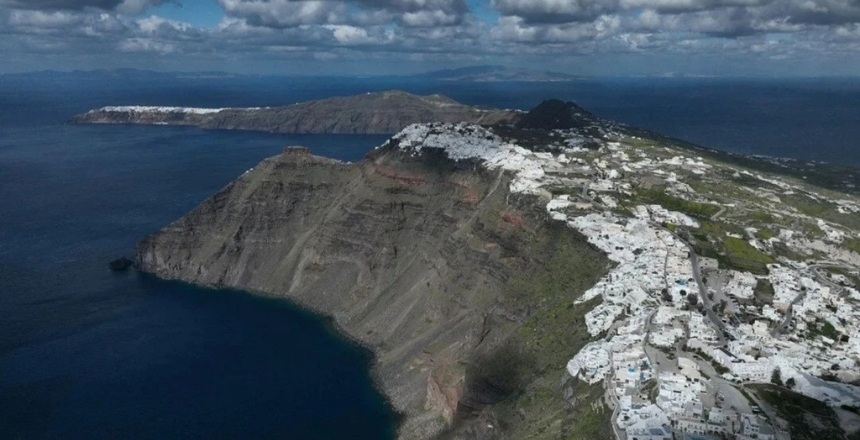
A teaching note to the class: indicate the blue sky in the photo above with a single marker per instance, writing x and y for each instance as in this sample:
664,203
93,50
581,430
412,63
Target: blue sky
200,13
761,38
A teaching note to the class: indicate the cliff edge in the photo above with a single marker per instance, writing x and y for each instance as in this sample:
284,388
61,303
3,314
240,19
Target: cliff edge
476,260
462,288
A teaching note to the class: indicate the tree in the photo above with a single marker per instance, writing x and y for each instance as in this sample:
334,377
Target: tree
790,383
666,295
692,299
776,377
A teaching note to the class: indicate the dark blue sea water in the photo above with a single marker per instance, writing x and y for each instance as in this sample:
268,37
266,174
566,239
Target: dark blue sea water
86,353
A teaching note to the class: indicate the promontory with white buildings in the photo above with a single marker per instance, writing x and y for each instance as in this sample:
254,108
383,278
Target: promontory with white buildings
730,287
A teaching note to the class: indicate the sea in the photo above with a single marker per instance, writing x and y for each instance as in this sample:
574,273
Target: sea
90,353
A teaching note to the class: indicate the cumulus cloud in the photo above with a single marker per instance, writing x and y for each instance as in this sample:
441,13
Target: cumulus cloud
122,6
146,45
285,13
290,13
638,24
554,11
154,24
40,19
417,29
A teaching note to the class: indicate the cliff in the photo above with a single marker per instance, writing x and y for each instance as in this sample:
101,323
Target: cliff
371,113
463,289
455,252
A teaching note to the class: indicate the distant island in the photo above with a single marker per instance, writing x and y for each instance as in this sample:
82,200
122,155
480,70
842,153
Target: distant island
371,113
496,73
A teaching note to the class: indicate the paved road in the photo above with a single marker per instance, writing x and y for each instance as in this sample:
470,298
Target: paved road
768,413
703,292
703,296
789,312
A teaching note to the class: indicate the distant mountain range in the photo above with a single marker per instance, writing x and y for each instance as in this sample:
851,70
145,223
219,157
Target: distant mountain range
496,73
128,74
484,73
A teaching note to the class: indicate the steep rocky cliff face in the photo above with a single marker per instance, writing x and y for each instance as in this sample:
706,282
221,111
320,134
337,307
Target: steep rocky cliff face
371,113
464,291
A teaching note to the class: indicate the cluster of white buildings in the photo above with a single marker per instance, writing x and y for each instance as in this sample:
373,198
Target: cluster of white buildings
633,286
740,285
151,109
660,214
807,351
645,296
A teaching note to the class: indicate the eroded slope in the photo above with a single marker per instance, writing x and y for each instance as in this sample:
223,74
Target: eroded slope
464,290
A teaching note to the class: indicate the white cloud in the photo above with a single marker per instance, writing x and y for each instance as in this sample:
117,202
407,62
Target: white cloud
135,7
40,19
351,35
429,18
423,29
154,23
145,45
285,13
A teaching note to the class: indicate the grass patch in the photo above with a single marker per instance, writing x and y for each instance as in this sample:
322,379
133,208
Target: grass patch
744,257
762,216
720,228
852,244
782,250
822,328
672,203
764,234
852,279
553,266
763,293
809,419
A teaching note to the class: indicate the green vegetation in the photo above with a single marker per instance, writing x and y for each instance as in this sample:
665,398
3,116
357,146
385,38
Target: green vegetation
718,367
776,377
649,388
720,229
823,210
764,234
811,229
822,328
747,396
852,244
695,209
744,257
762,216
712,240
808,206
852,279
809,419
763,292
781,250
556,266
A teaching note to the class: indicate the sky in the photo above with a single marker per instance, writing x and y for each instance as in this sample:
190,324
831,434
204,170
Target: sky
751,38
